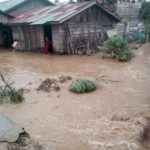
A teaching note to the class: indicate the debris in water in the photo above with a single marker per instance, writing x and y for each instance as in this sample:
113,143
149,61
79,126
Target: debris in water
120,117
24,142
24,90
46,85
146,133
63,79
9,93
52,84
56,87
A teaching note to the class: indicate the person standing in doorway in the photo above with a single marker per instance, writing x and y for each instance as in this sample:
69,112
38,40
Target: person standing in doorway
47,45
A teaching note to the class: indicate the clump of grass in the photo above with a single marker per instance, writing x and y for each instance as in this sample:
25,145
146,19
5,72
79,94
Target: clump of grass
16,96
82,86
125,56
117,46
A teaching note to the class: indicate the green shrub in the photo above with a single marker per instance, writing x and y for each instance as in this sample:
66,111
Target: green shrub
143,40
118,46
114,44
82,86
124,56
16,96
144,11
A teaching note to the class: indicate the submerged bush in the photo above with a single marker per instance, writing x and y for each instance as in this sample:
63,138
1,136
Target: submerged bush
143,40
114,44
16,96
124,56
5,92
118,47
82,86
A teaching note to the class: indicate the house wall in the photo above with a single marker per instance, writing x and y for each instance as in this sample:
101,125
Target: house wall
93,17
32,4
91,20
3,19
58,38
31,38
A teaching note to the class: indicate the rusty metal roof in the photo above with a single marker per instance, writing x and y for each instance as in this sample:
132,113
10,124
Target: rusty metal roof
11,4
56,14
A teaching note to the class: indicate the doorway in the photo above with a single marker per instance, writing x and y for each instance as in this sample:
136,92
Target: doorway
48,34
6,36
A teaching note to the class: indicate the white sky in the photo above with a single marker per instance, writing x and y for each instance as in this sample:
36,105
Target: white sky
53,0
50,0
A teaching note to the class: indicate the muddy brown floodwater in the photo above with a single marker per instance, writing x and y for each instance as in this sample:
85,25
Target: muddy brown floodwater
110,118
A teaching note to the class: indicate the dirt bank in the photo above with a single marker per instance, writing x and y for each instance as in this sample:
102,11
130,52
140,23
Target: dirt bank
110,118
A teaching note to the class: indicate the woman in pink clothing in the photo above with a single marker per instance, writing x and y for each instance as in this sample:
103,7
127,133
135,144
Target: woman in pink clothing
47,45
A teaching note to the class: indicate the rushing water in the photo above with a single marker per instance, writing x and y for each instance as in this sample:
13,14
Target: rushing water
109,119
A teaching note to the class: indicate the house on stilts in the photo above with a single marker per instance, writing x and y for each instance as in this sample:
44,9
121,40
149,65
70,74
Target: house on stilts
71,28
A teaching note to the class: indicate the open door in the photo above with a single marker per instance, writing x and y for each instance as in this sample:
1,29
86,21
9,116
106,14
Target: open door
5,36
48,34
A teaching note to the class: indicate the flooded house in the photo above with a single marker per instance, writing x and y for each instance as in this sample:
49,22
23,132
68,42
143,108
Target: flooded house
71,28
12,8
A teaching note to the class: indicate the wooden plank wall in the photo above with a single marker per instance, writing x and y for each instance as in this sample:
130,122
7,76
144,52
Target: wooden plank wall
58,38
91,20
31,38
18,35
93,15
34,38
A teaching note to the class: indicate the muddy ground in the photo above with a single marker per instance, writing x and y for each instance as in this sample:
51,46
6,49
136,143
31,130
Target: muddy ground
110,118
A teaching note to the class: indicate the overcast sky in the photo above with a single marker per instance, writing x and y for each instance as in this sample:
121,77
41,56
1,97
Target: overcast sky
50,0
53,0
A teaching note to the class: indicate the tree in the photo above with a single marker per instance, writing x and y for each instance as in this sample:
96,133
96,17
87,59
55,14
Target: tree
125,23
145,17
145,12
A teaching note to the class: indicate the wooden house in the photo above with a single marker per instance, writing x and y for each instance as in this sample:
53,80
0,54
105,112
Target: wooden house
13,8
70,28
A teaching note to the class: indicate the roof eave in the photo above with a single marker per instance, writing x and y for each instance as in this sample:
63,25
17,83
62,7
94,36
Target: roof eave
109,12
65,19
6,14
20,4
17,24
92,4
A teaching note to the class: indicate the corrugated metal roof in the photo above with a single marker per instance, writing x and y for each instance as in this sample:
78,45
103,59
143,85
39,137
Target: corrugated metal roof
10,4
6,5
55,14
